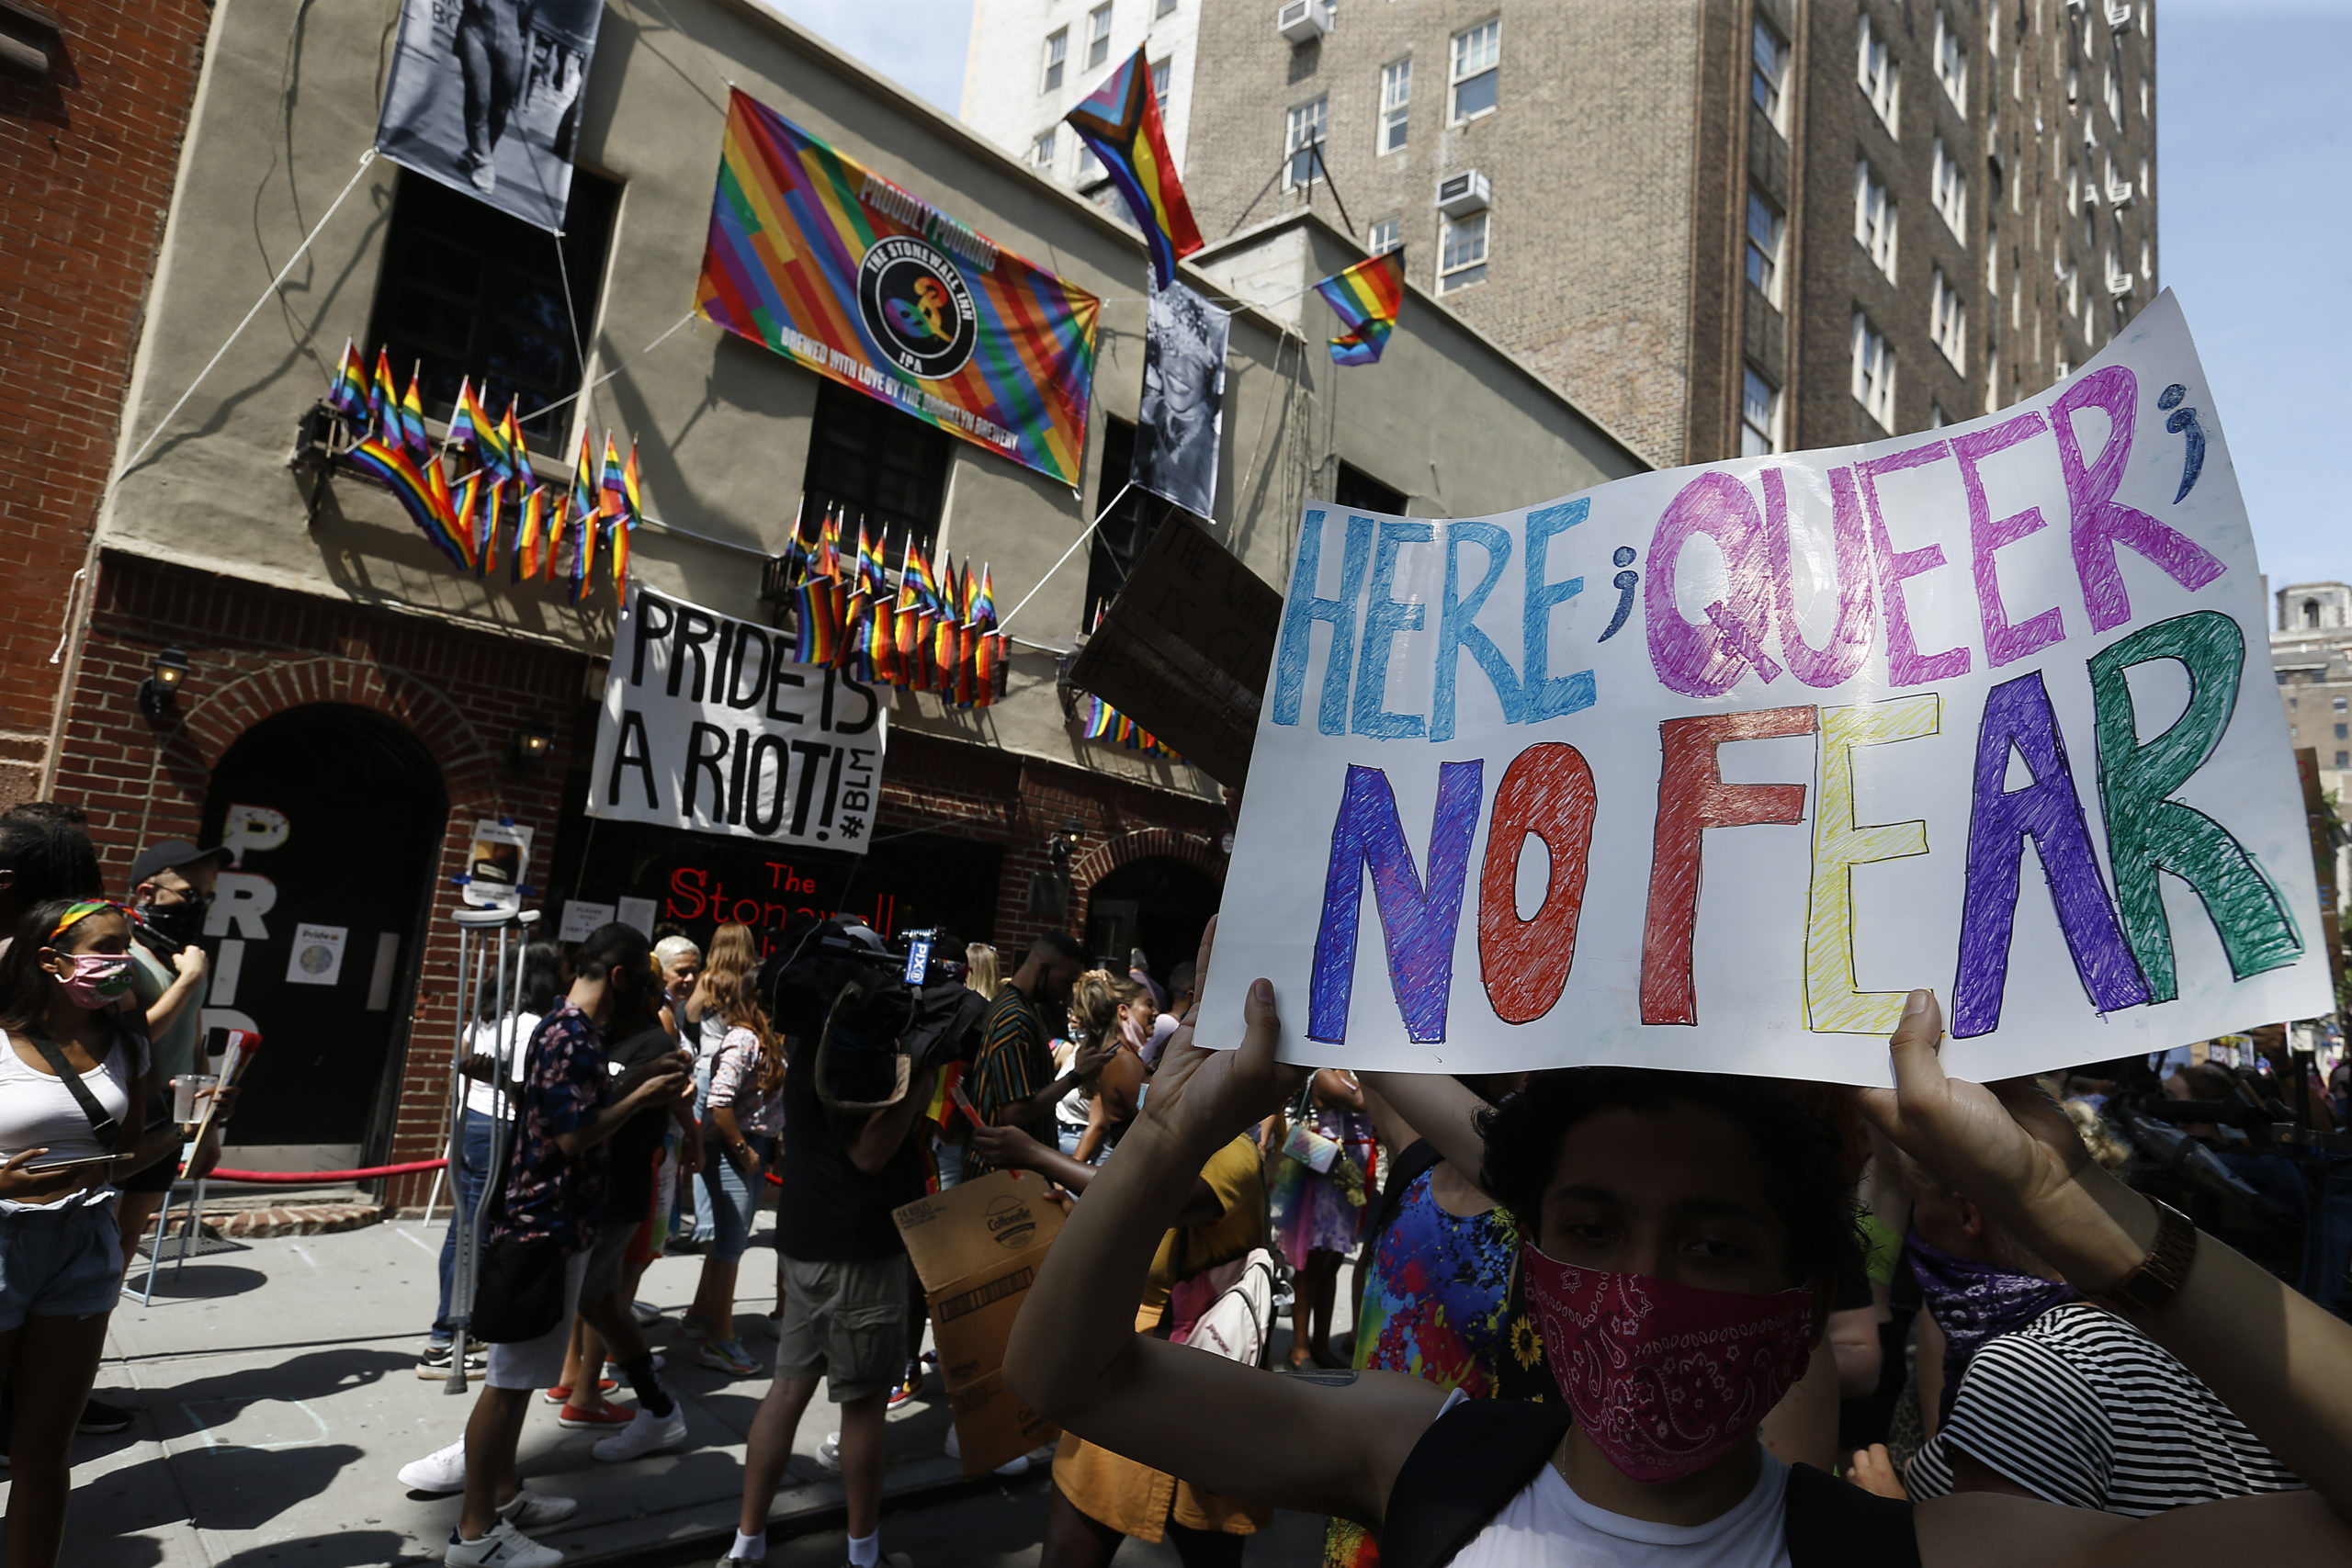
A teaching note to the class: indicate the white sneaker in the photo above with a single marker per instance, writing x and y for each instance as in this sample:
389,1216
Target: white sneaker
441,1471
645,1434
503,1546
538,1510
829,1453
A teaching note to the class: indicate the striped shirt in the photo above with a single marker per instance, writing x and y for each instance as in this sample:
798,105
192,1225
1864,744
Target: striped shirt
1013,1064
2081,1409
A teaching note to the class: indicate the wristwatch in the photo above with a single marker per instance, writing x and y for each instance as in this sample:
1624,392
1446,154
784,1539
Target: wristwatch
2160,1274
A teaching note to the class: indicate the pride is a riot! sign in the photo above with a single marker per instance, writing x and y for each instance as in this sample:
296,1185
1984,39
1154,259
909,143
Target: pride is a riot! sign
1708,768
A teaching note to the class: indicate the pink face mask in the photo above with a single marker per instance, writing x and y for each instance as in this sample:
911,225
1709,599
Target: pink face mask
1665,1379
97,979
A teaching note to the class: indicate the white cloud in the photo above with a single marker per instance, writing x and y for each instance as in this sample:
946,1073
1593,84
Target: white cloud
917,43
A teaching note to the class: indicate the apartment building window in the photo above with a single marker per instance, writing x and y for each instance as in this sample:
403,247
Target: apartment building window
2343,759
2338,703
1042,151
1768,75
1760,416
465,291
1161,75
1948,320
1767,234
2343,732
1462,252
2144,97
882,468
2073,190
1948,189
1057,58
1301,136
2147,262
1952,61
1384,236
1478,70
1098,36
1880,76
1875,219
2112,90
1936,420
1873,372
1163,7
1090,170
1396,94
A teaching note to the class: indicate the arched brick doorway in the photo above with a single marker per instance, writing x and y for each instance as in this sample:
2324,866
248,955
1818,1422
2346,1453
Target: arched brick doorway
1158,903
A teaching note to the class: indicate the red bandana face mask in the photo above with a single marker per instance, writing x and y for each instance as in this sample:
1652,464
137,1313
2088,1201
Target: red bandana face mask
1665,1379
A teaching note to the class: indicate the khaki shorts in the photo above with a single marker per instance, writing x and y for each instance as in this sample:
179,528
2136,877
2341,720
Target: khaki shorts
844,1322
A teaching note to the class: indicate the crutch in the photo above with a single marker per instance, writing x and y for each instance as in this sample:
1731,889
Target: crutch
476,969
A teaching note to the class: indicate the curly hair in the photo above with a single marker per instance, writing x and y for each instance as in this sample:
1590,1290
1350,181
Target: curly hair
1801,1150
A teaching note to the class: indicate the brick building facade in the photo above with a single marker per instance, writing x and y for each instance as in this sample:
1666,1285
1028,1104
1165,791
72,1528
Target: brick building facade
88,150
1721,226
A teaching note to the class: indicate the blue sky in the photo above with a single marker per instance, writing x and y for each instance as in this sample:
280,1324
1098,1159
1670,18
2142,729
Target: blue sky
2254,203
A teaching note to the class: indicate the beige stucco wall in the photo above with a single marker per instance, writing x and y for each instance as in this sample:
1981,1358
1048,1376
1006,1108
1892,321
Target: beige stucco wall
287,108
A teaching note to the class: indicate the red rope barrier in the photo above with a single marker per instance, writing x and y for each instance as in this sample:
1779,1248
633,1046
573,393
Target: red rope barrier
310,1178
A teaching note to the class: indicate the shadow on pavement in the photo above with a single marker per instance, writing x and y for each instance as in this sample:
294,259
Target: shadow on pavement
345,1548
198,1281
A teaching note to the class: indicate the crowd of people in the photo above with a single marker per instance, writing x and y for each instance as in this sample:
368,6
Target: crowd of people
1594,1315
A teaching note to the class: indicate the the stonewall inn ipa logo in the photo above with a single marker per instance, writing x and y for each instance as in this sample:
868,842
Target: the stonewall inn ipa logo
916,307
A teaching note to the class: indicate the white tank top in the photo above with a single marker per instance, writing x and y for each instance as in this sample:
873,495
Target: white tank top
1548,1526
38,1111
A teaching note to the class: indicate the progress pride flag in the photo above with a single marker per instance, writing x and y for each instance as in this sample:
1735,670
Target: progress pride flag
1708,768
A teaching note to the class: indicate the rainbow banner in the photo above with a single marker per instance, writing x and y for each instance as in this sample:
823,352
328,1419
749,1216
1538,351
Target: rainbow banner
835,268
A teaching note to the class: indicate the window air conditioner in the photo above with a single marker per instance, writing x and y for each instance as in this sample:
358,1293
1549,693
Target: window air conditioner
2119,17
2120,283
1458,196
2119,193
2075,8
1303,21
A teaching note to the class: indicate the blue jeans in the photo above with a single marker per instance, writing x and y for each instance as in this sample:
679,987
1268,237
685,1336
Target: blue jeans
690,1206
468,1176
727,1199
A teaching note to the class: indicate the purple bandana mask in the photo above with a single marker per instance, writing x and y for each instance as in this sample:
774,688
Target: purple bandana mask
1973,1301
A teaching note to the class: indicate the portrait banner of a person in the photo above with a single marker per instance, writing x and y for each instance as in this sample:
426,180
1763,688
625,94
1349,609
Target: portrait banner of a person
484,95
1183,411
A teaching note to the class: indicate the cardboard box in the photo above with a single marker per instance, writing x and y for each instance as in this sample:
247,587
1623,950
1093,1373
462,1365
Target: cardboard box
977,1248
993,1427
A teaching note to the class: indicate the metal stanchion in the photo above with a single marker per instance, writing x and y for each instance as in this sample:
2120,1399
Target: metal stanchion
478,969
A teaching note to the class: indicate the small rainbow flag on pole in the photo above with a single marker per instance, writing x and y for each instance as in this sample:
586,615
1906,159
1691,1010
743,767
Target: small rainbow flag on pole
384,401
1367,296
1121,122
818,637
412,421
347,393
632,508
426,504
530,526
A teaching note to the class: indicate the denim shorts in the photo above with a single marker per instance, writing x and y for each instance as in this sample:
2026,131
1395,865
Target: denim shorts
59,1263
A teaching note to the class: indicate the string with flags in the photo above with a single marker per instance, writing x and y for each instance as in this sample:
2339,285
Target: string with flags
1098,720
477,496
937,632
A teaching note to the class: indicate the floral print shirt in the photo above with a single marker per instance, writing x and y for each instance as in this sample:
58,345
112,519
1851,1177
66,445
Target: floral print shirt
564,1087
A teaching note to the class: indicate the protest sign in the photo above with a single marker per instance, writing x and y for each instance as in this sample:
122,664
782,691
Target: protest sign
1183,649
708,726
1707,769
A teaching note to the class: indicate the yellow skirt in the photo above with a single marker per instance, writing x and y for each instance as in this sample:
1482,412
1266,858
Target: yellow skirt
1137,1501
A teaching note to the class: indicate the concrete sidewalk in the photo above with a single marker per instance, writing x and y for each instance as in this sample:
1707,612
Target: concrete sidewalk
276,1398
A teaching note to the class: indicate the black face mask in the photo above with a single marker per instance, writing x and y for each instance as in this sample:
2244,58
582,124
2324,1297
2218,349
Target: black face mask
181,923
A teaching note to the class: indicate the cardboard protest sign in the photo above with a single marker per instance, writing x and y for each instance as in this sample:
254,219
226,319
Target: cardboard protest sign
1706,768
708,726
1183,649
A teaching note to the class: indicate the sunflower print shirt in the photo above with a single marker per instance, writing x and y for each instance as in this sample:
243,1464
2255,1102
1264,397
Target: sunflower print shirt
1442,1302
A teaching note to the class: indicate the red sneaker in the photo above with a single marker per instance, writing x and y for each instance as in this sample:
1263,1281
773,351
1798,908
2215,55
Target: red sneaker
572,1419
561,1393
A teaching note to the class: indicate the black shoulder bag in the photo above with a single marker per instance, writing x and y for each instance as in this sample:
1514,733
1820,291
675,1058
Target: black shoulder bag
1479,1455
518,1285
104,1127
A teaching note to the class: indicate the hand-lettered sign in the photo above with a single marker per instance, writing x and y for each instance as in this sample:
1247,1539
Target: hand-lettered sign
1708,768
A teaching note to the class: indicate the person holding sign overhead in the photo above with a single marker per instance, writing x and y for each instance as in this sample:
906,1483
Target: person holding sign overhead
1683,1233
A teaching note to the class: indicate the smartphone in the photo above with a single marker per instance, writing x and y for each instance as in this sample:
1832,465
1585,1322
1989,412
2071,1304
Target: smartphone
60,1166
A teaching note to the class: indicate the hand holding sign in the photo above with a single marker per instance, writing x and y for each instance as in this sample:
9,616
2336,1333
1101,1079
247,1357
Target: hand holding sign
1847,692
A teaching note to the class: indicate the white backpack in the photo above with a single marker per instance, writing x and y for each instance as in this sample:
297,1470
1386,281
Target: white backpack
1237,1324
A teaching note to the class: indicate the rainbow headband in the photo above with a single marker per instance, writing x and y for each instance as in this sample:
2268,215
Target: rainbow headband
77,913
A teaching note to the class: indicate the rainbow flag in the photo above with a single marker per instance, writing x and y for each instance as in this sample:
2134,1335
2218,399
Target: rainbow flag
881,655
530,528
347,393
1100,721
461,418
826,560
817,639
1121,122
981,611
951,329
413,422
632,508
428,505
477,520
384,401
518,457
989,670
581,515
870,575
612,497
1367,296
